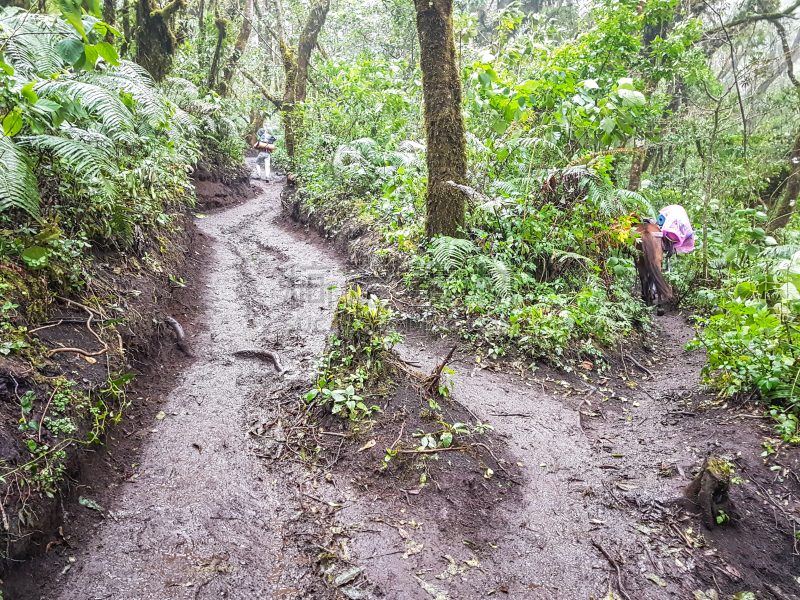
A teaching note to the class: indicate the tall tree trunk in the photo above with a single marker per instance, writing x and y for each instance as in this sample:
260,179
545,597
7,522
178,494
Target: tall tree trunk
295,66
635,178
110,17
155,40
222,30
126,28
783,209
238,47
201,32
444,123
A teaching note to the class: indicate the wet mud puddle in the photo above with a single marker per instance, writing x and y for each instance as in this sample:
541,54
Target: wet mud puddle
201,505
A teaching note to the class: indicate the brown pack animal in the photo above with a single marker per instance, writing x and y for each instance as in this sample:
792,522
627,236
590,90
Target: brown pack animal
655,288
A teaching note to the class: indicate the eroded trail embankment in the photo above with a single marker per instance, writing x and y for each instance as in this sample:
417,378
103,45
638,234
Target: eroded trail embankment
202,517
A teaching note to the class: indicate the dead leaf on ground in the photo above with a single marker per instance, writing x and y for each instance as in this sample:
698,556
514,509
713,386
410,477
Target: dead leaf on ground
161,414
412,548
368,445
656,579
89,503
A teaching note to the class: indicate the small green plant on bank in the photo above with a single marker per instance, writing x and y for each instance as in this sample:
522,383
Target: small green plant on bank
71,412
722,518
355,354
11,337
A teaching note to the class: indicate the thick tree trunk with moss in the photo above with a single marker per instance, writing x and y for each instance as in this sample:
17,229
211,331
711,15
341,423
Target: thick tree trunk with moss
238,48
782,211
155,40
222,30
295,66
786,205
444,123
635,178
126,28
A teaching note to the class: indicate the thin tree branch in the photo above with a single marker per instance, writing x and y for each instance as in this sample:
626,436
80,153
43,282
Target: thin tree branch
278,102
753,18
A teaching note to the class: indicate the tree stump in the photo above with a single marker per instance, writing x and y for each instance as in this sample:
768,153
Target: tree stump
709,491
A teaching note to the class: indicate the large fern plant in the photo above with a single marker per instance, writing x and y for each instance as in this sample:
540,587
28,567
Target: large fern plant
69,116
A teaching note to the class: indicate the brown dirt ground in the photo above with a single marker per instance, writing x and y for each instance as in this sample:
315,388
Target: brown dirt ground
220,505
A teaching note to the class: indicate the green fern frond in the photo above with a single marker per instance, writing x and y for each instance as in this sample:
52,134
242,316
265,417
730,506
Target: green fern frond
411,146
563,255
783,251
80,158
104,104
450,253
499,273
18,187
32,51
132,79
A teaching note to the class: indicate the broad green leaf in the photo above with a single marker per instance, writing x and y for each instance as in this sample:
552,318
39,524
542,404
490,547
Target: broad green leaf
6,68
70,49
47,105
632,97
12,123
94,7
107,52
500,126
607,124
28,93
71,9
103,28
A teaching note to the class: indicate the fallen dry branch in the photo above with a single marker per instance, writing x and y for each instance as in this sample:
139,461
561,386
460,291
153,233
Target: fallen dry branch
641,367
48,326
265,355
44,413
432,450
431,383
614,564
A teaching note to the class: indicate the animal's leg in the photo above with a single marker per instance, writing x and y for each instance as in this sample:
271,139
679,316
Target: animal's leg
659,310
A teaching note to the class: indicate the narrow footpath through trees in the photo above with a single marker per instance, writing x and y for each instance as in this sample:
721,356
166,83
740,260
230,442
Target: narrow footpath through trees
577,492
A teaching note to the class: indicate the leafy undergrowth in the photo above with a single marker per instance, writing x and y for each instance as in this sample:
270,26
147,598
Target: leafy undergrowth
364,388
546,274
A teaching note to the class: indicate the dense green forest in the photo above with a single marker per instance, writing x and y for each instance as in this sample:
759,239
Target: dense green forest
494,154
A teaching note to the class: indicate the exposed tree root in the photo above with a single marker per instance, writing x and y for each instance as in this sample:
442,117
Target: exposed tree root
182,344
265,355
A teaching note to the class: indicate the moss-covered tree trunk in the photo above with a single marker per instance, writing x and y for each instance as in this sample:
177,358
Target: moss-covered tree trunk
126,28
155,40
238,48
295,67
444,123
222,30
635,178
783,209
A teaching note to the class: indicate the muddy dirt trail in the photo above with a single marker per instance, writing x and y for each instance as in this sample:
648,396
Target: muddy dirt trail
200,504
576,492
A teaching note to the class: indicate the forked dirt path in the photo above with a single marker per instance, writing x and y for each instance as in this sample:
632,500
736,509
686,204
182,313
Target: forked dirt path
202,517
213,509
